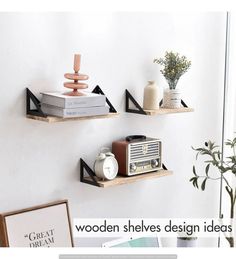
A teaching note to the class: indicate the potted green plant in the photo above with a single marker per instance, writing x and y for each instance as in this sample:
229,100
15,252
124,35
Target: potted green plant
174,66
186,241
225,166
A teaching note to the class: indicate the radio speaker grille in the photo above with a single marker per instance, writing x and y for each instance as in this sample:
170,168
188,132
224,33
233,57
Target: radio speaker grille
147,150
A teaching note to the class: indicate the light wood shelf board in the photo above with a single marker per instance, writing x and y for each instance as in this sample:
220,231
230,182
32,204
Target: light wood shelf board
119,180
51,119
168,111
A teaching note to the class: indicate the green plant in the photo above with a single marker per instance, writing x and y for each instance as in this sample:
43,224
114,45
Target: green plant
174,67
224,165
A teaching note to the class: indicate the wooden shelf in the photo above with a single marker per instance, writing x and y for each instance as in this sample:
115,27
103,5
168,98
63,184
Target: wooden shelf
36,113
161,111
139,110
119,180
51,119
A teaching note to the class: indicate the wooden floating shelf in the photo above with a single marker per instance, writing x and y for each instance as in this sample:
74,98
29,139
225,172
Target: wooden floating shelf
168,111
37,113
119,180
139,110
52,119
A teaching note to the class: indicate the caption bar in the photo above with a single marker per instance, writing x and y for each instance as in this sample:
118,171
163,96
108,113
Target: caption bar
116,227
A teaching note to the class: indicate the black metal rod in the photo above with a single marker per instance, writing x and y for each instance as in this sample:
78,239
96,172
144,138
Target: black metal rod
128,98
98,90
226,70
184,104
31,97
164,167
84,166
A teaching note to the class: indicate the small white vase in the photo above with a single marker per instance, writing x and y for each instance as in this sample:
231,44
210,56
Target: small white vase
172,98
150,98
186,242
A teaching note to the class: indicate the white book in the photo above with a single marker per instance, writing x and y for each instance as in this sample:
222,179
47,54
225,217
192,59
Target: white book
64,101
74,112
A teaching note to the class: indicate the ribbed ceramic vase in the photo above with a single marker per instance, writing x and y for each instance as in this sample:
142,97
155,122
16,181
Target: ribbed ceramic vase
150,97
172,98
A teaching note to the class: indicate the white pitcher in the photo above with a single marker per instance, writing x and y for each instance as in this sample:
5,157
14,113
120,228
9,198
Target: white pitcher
150,98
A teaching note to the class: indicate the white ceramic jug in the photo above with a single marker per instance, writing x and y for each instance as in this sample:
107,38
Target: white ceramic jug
150,98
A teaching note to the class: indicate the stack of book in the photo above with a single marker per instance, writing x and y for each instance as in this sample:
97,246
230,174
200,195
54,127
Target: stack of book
89,104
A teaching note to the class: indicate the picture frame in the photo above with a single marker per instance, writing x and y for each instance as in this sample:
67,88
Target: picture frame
46,225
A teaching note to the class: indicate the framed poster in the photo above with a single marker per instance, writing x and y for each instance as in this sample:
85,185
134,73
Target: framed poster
41,226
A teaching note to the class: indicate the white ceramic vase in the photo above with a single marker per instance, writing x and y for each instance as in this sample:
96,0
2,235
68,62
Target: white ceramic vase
172,98
150,98
186,242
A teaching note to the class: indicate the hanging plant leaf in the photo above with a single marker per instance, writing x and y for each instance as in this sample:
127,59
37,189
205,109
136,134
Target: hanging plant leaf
223,165
194,170
192,179
203,186
207,169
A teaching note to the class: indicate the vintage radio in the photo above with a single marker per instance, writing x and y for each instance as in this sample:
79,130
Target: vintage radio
137,155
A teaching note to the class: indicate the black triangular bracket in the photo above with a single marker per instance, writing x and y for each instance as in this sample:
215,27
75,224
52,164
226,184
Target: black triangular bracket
83,167
164,167
182,102
35,112
128,98
98,90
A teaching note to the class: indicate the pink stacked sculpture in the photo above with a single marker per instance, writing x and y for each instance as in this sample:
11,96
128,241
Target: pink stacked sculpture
77,78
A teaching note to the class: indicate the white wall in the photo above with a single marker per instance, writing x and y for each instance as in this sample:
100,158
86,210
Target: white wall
39,161
231,96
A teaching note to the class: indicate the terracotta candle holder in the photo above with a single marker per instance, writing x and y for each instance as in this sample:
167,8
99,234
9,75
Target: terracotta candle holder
76,77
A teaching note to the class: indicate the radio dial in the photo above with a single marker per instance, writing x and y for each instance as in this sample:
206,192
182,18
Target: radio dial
154,163
133,167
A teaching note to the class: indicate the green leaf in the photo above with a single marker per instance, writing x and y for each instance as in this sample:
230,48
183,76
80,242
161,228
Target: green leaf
203,186
192,179
197,155
206,152
207,169
209,161
228,142
197,149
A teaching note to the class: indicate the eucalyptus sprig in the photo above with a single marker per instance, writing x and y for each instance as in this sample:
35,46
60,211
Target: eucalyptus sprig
174,67
223,165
